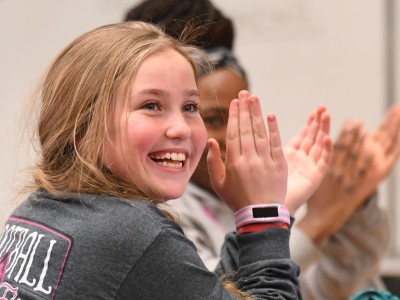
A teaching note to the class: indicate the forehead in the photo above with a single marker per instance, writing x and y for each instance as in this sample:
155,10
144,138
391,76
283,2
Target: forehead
167,63
220,87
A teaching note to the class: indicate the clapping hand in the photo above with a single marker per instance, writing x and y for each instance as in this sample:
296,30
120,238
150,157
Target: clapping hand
360,162
255,170
308,156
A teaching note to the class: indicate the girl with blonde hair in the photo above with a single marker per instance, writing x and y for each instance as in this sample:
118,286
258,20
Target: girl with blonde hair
119,133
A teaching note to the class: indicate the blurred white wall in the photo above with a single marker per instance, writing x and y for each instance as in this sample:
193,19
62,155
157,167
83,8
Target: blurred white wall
298,54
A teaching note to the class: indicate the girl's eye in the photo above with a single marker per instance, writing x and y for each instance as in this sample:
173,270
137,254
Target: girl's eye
192,107
151,106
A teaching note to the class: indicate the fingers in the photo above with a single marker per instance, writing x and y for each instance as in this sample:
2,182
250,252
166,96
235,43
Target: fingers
246,132
216,168
322,140
384,143
233,148
313,129
358,157
388,132
274,138
260,136
313,139
264,144
296,141
326,155
344,146
349,159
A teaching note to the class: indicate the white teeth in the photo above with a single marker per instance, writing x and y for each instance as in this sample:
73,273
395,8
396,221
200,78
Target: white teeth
170,165
172,156
175,159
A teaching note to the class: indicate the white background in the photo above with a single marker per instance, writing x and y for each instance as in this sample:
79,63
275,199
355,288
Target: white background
298,54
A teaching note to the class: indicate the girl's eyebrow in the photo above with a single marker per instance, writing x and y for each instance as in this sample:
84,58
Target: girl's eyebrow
160,92
152,91
193,93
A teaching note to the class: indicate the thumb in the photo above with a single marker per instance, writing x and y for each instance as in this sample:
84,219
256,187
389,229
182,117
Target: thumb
216,167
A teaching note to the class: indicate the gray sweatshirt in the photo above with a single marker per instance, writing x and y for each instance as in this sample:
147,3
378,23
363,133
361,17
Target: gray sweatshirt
99,247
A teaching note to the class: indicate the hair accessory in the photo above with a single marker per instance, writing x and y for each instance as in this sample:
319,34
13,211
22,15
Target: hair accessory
221,57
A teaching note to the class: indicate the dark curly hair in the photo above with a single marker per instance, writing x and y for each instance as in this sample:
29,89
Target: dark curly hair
207,25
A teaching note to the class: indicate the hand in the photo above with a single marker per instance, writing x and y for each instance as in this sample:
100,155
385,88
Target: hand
255,168
308,156
384,145
360,162
333,202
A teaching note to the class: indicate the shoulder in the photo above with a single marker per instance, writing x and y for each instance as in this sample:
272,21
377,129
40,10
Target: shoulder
91,216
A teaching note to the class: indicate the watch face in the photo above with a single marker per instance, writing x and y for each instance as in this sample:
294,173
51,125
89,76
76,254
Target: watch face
265,212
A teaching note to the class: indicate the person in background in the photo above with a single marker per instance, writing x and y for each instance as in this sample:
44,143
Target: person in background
346,201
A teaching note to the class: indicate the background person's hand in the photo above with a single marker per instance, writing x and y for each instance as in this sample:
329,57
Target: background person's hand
384,145
360,162
308,155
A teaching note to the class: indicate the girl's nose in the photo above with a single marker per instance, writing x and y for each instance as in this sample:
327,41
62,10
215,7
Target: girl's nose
178,128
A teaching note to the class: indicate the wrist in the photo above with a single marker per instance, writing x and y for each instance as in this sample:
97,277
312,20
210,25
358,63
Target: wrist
256,227
314,229
261,214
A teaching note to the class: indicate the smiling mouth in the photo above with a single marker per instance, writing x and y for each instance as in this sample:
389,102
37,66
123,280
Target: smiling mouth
169,159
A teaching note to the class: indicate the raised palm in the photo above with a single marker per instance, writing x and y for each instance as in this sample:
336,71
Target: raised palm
308,156
384,148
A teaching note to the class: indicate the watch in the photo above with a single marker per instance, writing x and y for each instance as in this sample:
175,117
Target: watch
262,213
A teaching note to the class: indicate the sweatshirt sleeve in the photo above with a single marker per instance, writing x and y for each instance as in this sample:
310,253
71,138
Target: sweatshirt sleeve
351,258
236,255
264,269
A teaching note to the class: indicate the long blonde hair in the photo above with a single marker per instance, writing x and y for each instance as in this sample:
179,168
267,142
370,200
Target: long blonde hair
76,99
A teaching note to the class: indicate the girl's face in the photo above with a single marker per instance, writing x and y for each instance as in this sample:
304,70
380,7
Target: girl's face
156,141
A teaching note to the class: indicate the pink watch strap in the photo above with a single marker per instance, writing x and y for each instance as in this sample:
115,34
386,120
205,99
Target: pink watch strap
262,213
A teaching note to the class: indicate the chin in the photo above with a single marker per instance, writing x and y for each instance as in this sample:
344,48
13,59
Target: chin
172,196
172,193
169,186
